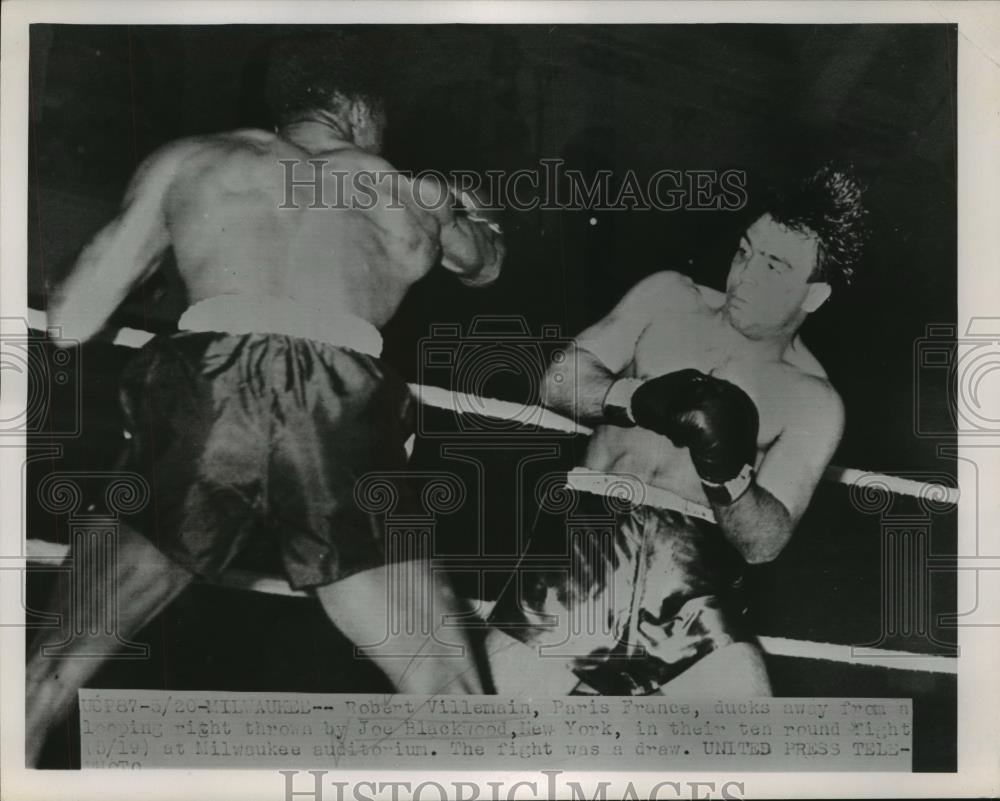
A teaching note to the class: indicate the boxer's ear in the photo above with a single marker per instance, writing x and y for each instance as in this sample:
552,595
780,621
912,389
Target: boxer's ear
340,106
816,295
360,113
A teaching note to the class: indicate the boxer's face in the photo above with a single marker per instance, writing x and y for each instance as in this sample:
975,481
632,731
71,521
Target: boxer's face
768,289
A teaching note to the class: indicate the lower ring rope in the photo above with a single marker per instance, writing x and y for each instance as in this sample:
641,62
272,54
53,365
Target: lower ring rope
50,554
41,552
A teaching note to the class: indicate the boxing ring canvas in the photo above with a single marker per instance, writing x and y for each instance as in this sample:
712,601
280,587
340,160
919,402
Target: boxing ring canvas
677,133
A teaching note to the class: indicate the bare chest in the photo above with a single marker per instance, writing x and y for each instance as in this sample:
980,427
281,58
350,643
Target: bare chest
697,341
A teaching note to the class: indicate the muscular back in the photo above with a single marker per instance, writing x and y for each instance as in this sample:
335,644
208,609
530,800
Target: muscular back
241,221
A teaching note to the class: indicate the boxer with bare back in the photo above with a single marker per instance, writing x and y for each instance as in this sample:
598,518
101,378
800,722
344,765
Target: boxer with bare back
257,418
707,398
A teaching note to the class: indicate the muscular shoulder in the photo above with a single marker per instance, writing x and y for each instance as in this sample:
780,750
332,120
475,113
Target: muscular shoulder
158,171
667,290
812,402
212,144
195,151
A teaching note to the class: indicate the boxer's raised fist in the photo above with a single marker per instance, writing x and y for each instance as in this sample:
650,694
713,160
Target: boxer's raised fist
656,402
714,419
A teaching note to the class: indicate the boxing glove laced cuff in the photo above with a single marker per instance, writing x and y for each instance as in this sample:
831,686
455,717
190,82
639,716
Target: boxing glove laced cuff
472,212
477,218
617,404
728,492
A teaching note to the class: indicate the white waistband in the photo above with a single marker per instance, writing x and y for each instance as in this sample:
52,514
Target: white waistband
262,314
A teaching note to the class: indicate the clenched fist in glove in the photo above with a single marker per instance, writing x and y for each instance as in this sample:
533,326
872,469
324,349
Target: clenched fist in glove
714,419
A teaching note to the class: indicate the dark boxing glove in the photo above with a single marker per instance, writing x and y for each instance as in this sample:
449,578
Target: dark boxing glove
719,428
658,403
651,404
714,419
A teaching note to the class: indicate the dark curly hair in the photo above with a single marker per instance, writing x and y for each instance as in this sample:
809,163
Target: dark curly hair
312,72
829,204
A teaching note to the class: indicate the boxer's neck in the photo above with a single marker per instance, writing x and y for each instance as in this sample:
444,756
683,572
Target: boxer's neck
317,135
767,347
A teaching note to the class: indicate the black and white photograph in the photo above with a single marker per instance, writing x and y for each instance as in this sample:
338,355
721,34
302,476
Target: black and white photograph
544,395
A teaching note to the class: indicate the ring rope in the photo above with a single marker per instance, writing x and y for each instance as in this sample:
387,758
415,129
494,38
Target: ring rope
51,554
465,403
583,480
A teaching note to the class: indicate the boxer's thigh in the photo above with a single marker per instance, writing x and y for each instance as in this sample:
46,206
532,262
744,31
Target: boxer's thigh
518,668
402,602
733,671
397,616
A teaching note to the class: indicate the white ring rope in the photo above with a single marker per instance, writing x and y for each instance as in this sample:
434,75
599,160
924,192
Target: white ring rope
464,403
855,655
51,554
583,480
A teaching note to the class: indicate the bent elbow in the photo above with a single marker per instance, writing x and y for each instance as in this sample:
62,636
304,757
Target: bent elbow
767,550
558,381
480,274
759,556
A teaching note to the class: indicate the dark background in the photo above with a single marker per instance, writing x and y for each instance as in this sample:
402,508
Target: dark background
760,98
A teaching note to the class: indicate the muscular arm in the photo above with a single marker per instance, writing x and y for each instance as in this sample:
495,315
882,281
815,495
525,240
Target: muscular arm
576,384
122,254
471,243
578,379
758,524
470,247
762,521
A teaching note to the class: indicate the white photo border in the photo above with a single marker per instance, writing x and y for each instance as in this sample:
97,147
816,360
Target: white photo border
978,296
